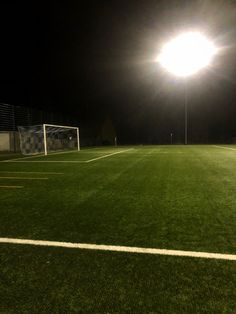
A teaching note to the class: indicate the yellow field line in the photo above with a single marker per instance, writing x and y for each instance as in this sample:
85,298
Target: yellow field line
11,186
31,172
23,178
45,161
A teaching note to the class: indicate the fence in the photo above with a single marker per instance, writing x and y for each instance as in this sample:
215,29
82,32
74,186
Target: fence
13,116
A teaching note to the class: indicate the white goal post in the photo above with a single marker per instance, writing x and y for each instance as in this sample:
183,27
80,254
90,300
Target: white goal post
47,138
45,126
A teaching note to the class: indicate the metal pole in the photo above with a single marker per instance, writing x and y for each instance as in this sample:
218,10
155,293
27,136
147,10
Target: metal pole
45,140
185,114
78,142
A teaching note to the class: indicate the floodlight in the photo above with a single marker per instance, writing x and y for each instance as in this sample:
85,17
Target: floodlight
187,54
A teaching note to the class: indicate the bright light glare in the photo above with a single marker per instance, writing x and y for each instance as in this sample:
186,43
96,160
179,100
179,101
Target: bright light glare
187,54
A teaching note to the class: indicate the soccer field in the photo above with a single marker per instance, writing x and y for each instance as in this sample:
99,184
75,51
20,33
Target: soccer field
176,198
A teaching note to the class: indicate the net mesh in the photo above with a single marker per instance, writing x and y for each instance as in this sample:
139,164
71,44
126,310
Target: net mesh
58,138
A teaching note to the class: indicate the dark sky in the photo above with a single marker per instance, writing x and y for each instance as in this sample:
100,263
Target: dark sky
96,59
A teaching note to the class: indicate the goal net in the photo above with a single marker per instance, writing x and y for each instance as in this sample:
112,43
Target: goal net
48,138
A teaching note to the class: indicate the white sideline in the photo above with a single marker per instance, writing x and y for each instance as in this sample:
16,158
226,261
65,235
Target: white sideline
128,249
105,156
225,147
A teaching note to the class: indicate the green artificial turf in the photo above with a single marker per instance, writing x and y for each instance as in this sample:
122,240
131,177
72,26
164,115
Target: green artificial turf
172,197
54,280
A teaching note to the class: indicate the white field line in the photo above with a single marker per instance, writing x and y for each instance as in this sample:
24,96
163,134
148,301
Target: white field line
39,155
225,147
108,155
11,186
23,178
61,152
28,157
115,248
31,172
65,161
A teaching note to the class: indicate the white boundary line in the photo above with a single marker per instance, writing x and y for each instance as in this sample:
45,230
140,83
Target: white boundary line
225,147
108,155
128,249
53,153
65,161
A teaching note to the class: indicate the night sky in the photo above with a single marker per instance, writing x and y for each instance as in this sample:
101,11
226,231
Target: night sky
96,60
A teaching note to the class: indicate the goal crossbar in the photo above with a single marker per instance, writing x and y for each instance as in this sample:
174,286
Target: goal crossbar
47,138
61,126
45,125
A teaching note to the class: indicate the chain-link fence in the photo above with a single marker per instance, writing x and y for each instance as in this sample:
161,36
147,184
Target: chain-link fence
13,116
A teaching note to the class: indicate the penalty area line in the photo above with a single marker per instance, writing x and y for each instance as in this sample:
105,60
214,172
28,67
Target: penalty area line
108,155
225,147
115,248
61,161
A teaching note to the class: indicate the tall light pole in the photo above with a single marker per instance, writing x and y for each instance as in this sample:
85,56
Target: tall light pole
184,56
185,114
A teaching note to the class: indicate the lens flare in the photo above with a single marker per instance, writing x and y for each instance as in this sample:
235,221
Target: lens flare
187,54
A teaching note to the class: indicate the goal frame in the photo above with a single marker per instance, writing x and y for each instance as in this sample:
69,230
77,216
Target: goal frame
45,125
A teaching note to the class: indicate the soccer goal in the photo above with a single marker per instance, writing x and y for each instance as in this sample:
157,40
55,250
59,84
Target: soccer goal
48,138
